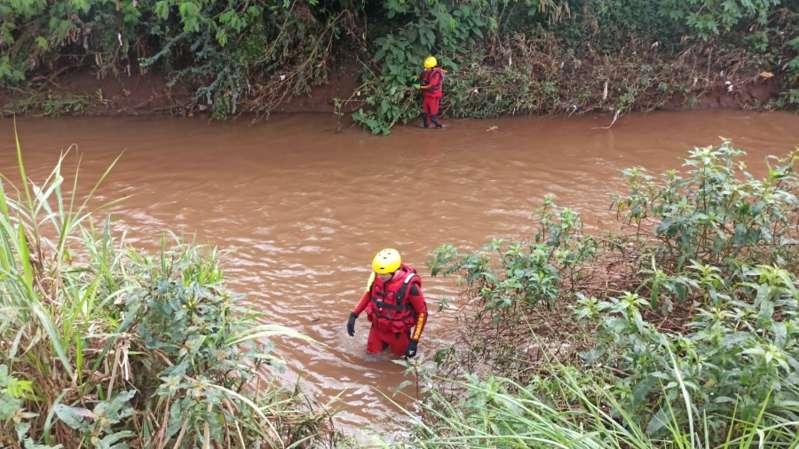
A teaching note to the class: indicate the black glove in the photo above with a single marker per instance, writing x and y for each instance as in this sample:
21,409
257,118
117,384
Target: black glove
351,324
411,351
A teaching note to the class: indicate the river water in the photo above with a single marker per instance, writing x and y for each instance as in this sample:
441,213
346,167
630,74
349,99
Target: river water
301,209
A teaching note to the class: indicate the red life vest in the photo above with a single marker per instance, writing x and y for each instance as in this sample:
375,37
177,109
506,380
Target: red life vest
426,78
389,308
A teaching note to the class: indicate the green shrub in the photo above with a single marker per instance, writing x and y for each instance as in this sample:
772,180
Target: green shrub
232,53
690,339
716,211
736,354
507,276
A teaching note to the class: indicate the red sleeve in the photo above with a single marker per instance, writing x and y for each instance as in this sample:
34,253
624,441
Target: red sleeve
435,79
362,303
416,298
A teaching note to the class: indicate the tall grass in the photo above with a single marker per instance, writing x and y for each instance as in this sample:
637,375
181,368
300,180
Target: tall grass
104,346
500,413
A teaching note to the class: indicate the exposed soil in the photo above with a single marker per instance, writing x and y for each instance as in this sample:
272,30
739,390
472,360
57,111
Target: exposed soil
755,92
150,93
122,95
342,82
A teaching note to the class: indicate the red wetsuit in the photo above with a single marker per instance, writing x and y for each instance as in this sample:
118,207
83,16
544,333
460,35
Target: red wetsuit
395,308
431,98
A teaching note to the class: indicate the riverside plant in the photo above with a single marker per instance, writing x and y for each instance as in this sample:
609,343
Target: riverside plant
697,346
736,357
716,211
102,346
512,287
507,275
497,412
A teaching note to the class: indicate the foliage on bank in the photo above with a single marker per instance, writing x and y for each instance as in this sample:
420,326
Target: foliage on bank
106,347
687,336
235,56
502,57
570,57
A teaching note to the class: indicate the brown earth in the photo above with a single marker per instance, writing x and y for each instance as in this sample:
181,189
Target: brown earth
123,95
151,94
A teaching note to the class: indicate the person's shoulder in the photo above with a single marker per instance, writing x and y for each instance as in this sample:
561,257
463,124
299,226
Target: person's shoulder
416,276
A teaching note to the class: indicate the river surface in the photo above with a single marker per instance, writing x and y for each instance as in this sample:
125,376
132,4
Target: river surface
301,209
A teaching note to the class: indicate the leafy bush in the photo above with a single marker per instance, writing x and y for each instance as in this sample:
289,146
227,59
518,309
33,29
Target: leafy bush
691,340
507,283
509,275
717,212
709,18
232,53
736,356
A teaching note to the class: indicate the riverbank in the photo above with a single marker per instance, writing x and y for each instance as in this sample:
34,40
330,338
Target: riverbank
559,57
82,94
673,326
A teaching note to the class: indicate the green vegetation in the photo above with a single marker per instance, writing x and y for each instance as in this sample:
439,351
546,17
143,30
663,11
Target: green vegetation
102,346
503,56
515,57
235,55
679,330
46,103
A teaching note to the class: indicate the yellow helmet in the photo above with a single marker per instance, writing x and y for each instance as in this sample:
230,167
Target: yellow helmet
430,62
386,261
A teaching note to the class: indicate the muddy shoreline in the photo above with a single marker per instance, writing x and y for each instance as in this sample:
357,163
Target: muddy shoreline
83,94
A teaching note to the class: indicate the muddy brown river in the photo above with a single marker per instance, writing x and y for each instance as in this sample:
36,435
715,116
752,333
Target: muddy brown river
301,210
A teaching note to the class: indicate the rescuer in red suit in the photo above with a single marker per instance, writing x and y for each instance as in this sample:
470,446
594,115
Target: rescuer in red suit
395,305
431,82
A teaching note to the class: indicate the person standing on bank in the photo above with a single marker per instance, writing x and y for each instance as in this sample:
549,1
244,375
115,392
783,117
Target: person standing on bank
431,82
395,305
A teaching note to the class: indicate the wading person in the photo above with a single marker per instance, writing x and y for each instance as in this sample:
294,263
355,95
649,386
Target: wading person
395,305
431,82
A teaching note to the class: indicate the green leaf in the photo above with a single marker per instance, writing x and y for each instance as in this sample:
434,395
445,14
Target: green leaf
112,441
175,418
81,5
190,15
162,9
9,407
24,256
73,416
221,37
42,42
